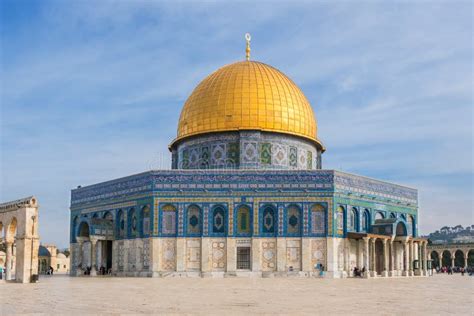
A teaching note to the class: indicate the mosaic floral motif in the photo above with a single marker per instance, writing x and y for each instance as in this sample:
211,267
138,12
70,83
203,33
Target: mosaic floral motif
279,155
250,152
169,254
218,256
206,220
193,254
204,156
218,155
146,254
293,254
121,255
266,153
340,219
309,160
233,153
268,256
185,160
293,157
302,159
318,252
132,255
269,220
218,220
194,157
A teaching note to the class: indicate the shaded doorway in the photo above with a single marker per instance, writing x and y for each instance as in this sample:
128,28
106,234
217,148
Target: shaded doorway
108,255
379,260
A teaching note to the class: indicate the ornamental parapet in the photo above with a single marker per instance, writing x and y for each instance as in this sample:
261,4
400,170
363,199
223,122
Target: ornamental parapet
179,181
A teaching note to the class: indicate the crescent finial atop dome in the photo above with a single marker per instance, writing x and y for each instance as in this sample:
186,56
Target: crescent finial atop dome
247,49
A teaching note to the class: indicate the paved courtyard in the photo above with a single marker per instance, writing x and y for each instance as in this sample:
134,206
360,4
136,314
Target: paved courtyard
441,294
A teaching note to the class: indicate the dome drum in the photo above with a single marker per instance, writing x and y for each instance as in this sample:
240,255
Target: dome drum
246,150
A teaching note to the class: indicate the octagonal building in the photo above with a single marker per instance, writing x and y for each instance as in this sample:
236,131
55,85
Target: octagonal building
246,196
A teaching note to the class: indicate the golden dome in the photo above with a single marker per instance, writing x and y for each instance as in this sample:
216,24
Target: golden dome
247,95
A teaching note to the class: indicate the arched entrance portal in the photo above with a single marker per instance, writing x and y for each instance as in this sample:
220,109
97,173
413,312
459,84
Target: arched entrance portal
84,265
104,246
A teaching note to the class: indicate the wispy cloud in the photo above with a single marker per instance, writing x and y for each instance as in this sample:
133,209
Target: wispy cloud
92,90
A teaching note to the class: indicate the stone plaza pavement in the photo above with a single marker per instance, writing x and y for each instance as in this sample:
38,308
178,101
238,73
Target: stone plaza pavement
63,295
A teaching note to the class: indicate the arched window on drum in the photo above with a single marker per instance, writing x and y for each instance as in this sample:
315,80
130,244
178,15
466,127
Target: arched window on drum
318,219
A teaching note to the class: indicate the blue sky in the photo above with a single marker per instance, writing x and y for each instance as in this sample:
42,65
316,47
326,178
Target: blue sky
92,90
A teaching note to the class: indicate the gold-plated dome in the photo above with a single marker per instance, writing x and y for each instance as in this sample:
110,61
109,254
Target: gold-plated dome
247,95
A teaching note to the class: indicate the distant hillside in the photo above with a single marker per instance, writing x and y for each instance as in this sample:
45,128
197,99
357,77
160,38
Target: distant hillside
456,234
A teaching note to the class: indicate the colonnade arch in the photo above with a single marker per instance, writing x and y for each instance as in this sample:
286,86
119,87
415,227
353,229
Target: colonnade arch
452,254
19,234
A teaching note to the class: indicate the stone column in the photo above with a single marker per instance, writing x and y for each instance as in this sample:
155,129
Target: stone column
373,259
392,259
9,266
406,268
366,257
425,259
360,253
79,258
385,259
93,257
452,260
347,266
466,256
412,257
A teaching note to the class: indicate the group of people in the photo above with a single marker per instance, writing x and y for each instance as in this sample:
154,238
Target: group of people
359,272
451,270
50,270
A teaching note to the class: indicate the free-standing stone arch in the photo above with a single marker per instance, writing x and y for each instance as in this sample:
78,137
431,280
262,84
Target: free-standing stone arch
19,221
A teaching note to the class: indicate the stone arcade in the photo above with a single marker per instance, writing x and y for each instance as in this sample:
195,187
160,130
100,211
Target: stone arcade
247,196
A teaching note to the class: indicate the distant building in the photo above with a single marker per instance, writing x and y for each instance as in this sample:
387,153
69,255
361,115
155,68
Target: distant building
48,256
